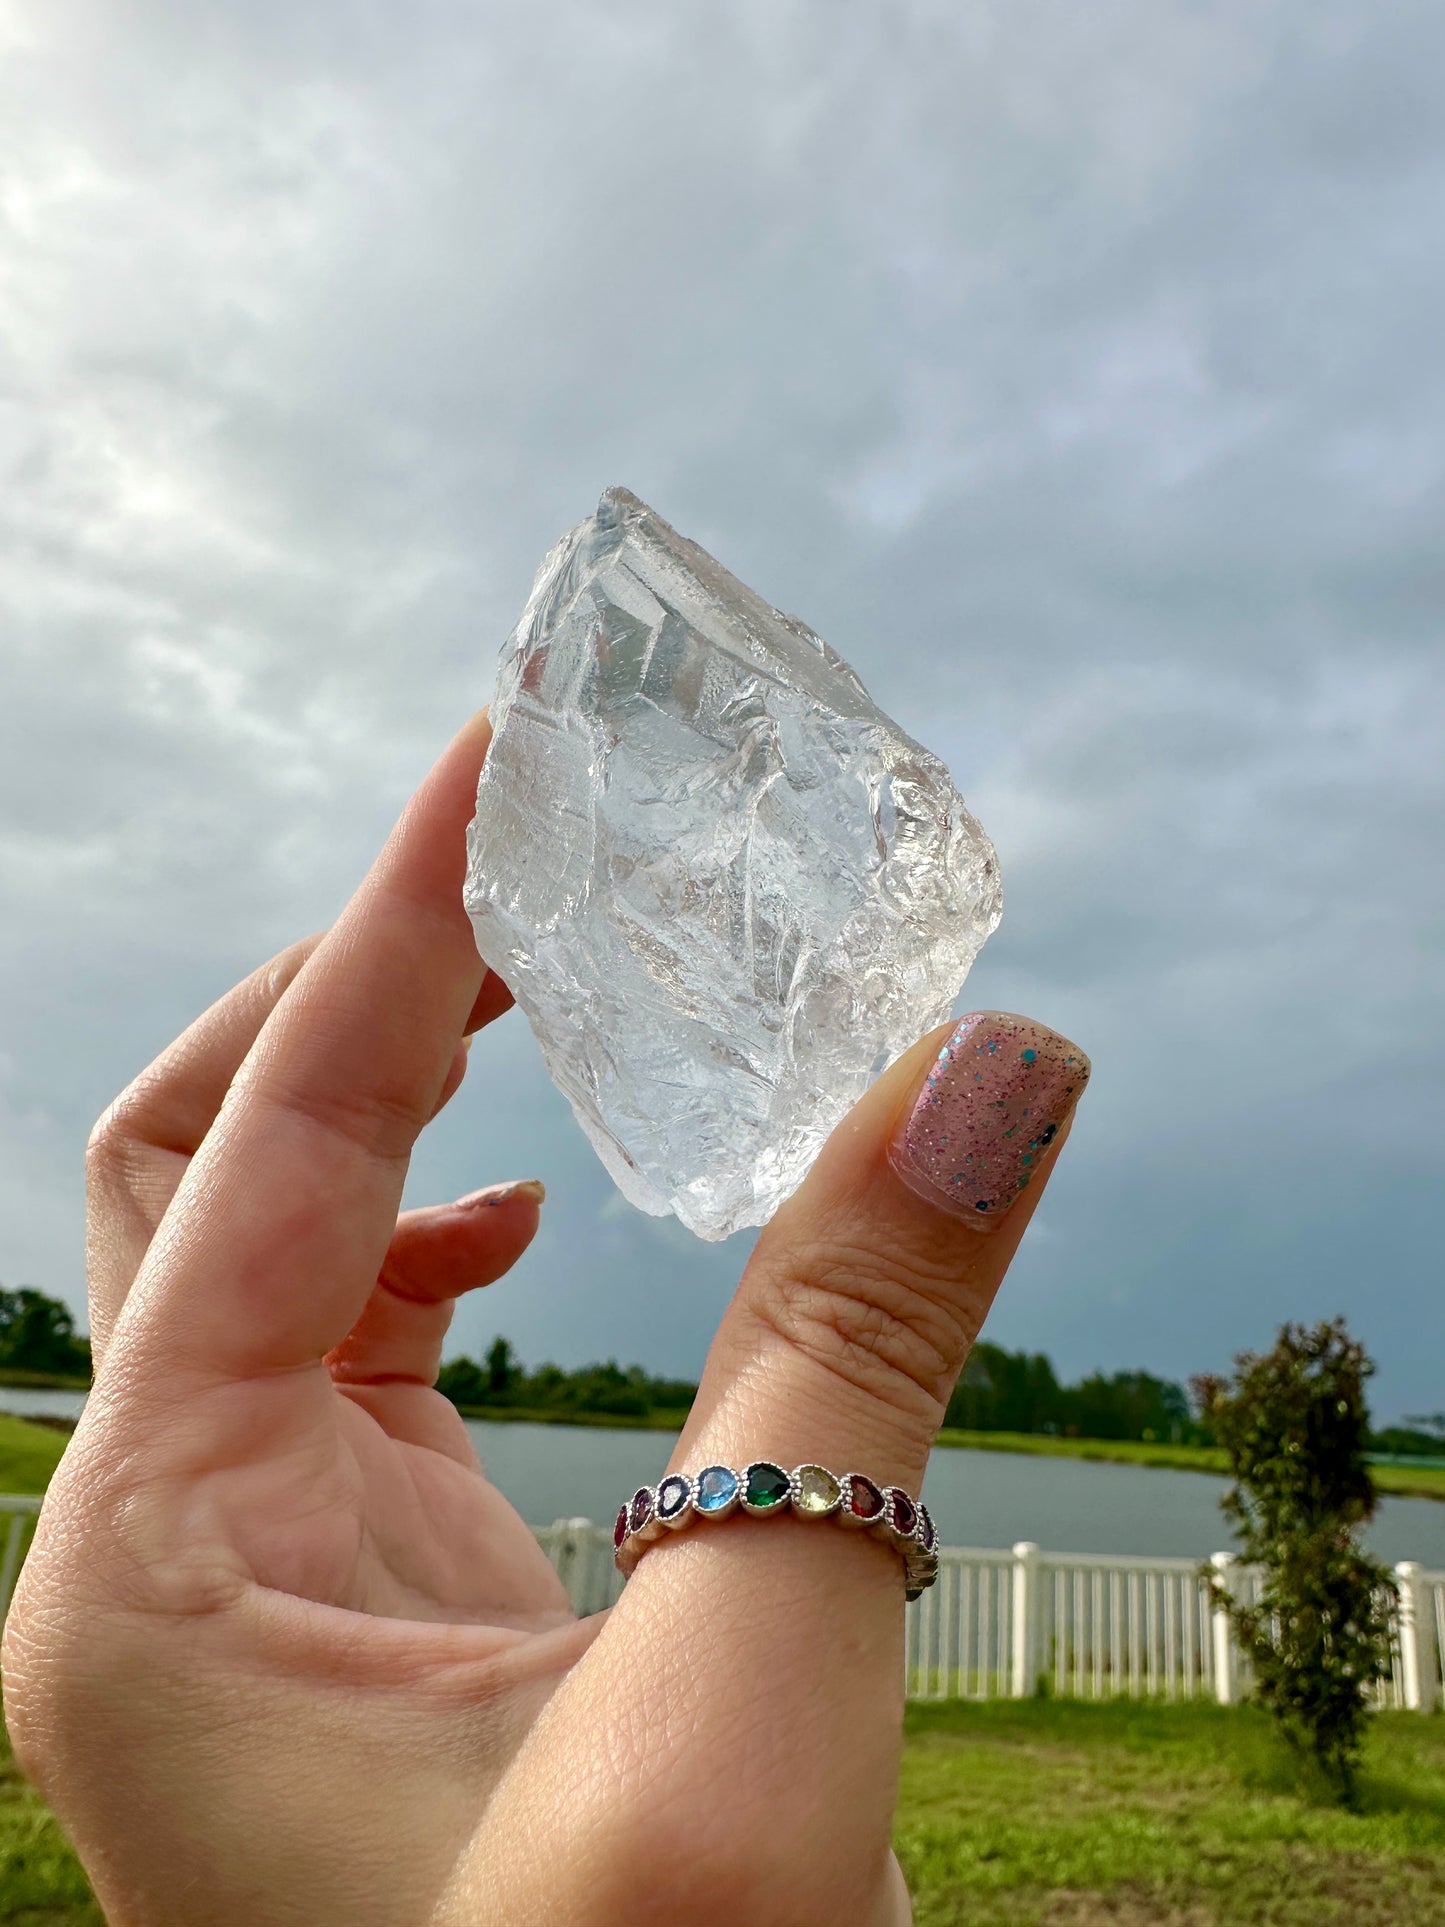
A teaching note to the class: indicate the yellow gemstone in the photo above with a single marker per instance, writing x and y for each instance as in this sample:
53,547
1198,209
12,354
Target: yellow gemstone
818,1490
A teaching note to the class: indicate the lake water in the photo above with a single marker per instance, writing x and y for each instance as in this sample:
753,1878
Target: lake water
978,1498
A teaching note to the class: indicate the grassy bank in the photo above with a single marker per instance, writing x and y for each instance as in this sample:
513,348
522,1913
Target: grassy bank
1400,1480
43,1381
1051,1814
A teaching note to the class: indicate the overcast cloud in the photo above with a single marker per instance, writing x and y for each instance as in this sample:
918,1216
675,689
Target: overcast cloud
1075,370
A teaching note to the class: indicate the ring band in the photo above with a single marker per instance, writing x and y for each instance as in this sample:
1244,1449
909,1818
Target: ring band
764,1490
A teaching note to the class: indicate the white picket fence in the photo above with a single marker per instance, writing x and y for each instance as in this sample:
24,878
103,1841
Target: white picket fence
997,1624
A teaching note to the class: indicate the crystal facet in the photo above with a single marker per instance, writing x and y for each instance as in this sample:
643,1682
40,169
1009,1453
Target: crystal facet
641,1509
818,1491
865,1500
767,1485
717,1487
901,1513
723,886
672,1495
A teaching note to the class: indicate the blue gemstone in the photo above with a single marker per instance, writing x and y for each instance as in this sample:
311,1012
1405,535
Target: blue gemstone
671,1496
716,1487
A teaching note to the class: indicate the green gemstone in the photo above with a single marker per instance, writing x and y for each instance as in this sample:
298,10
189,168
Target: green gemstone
818,1490
767,1485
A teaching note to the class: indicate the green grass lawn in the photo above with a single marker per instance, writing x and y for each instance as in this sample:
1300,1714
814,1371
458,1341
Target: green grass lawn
28,1453
41,1883
1136,1814
1047,1813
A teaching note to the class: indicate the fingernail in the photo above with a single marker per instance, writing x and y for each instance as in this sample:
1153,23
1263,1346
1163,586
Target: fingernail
1000,1092
499,1193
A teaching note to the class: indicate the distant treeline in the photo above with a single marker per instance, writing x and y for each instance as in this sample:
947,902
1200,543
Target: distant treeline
1000,1391
611,1390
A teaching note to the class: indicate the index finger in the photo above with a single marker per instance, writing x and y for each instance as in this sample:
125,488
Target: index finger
272,1243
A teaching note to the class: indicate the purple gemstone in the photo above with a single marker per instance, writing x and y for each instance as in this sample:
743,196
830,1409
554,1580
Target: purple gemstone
619,1531
902,1513
865,1501
641,1509
927,1530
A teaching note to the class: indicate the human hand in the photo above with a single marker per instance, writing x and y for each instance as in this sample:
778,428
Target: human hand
280,1653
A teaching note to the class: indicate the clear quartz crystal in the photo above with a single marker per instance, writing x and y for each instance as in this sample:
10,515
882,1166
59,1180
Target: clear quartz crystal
725,889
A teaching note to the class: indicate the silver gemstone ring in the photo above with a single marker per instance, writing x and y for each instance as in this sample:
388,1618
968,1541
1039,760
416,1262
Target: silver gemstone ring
764,1490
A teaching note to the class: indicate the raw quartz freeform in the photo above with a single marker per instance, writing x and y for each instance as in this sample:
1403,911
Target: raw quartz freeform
725,889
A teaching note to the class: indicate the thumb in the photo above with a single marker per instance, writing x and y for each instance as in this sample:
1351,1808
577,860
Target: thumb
864,1294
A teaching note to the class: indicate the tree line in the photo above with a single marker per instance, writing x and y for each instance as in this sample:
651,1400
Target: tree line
610,1390
999,1391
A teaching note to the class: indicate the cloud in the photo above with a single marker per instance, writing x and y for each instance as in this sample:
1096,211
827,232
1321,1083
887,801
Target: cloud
1073,371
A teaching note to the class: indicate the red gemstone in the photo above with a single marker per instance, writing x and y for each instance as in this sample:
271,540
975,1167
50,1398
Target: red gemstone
619,1531
641,1509
904,1517
927,1530
864,1498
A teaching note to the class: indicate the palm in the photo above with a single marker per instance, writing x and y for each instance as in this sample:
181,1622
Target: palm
363,1490
373,1499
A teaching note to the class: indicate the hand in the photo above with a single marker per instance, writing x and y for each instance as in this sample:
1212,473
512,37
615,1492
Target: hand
280,1653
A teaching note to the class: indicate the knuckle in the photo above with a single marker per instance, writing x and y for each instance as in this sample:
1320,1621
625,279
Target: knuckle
382,1124
112,1149
276,976
886,1327
100,1146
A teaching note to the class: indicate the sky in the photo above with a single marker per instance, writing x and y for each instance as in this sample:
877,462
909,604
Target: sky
1074,370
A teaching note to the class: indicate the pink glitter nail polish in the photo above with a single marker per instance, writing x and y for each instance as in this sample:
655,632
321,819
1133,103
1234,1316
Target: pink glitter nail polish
999,1094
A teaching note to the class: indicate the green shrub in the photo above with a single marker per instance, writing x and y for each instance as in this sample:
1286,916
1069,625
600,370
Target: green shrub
1294,1426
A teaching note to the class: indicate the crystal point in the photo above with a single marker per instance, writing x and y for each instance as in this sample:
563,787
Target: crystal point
723,886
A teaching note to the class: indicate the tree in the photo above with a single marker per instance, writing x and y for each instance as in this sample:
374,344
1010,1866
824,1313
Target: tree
37,1334
1002,1391
463,1381
1294,1425
1128,1405
501,1367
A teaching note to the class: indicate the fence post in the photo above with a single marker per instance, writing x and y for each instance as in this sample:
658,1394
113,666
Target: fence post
567,1550
1024,1657
1407,1626
1224,1682
10,1565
